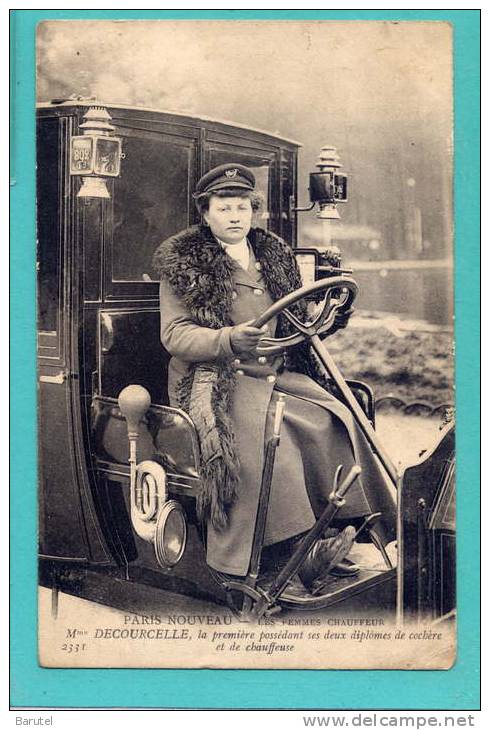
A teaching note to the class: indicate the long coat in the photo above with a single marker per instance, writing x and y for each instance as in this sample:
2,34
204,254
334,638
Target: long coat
318,432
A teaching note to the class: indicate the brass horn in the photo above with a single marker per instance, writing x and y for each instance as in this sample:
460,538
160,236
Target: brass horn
154,517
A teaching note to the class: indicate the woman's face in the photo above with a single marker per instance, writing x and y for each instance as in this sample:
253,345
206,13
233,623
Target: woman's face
230,219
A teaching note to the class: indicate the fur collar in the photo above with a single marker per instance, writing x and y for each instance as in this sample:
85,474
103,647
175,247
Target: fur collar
201,273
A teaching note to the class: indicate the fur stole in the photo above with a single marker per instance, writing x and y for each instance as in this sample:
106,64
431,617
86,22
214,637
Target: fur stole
201,274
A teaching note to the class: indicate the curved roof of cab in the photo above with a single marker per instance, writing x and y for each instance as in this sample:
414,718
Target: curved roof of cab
187,115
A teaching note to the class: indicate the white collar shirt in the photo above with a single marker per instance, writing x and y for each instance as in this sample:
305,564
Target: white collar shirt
238,251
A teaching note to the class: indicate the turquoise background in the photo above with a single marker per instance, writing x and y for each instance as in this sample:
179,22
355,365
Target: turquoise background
458,688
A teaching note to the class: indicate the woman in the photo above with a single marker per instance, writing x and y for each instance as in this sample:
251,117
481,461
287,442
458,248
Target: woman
216,279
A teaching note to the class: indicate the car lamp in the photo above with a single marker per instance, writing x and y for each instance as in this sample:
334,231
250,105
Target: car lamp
95,154
327,186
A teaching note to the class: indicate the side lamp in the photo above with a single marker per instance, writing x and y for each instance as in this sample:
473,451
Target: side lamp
95,154
327,187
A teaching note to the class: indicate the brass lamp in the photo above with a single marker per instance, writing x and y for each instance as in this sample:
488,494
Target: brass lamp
95,154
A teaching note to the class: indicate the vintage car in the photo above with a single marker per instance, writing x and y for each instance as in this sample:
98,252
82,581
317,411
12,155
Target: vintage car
112,183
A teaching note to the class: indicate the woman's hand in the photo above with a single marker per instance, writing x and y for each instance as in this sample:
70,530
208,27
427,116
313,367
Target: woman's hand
245,338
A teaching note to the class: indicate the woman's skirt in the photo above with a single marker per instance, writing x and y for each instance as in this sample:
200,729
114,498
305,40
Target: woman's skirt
318,434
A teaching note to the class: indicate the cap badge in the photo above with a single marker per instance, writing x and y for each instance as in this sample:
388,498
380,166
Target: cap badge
231,173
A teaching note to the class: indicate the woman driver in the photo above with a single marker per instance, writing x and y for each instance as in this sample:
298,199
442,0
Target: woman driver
216,279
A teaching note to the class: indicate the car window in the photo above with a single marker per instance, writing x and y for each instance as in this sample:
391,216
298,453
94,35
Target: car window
151,202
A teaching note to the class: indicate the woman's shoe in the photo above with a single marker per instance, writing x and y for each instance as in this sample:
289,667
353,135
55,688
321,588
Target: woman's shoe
345,569
325,555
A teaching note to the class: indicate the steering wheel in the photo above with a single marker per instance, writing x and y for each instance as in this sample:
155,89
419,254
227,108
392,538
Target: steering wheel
322,321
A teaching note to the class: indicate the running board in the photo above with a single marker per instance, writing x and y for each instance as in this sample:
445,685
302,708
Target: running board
355,591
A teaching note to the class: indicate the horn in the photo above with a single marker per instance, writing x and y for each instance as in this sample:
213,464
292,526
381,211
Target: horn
155,519
148,493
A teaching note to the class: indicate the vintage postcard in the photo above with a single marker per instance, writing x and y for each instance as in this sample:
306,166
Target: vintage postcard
245,341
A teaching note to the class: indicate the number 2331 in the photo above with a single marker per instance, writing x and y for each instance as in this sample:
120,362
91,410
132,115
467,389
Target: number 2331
73,648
